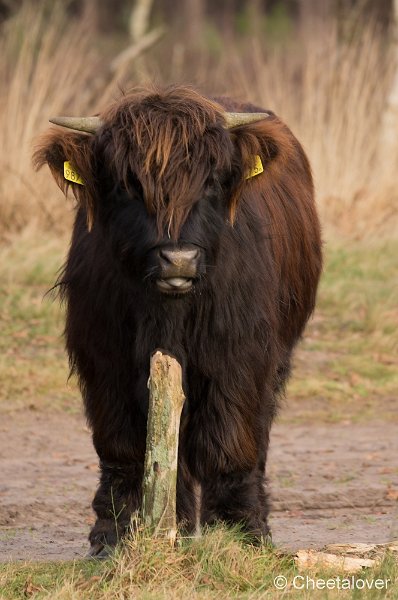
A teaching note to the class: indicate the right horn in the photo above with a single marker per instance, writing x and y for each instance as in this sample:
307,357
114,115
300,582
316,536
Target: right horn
234,119
87,124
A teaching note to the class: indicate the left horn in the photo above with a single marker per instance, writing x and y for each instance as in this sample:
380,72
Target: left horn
87,124
234,119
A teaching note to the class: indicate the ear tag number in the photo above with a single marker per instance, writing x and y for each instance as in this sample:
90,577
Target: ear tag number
71,174
256,169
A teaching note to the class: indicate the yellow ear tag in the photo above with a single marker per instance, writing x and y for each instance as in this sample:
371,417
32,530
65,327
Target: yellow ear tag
257,167
71,175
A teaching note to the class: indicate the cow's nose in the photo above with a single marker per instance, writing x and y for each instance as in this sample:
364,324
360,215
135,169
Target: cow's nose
181,260
178,269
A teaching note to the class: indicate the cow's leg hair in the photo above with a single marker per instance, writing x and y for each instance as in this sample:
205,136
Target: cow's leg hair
188,506
238,498
118,496
119,440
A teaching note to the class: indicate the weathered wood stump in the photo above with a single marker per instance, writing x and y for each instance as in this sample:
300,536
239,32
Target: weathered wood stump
351,558
166,400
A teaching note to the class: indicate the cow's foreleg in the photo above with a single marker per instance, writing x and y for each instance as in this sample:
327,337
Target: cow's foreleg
117,497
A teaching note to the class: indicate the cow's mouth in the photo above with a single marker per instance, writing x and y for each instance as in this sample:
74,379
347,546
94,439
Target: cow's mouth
174,285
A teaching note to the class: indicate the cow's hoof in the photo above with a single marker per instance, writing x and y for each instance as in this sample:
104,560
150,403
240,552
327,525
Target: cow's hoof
259,537
267,540
100,552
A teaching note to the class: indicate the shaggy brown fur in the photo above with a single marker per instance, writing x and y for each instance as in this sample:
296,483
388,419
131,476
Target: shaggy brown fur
163,174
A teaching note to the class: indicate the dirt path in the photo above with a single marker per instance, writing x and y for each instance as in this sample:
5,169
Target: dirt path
330,483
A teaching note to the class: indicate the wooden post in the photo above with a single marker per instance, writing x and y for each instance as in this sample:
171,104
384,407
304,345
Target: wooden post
166,400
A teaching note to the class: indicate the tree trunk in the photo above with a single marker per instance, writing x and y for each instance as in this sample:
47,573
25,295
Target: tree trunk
139,19
166,400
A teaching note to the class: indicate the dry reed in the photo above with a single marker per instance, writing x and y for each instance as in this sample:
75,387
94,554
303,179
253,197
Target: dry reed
329,87
46,68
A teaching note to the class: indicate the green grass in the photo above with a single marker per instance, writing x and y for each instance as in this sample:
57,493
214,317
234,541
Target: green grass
33,366
218,565
345,368
37,579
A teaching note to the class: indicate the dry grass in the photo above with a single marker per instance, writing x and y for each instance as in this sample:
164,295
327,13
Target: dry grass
46,68
217,566
329,85
33,366
346,366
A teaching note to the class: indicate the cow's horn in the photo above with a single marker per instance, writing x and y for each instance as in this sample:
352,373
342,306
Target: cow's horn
88,124
234,119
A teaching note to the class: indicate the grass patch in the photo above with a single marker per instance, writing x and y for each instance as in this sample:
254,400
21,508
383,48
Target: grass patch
218,565
33,365
37,579
346,366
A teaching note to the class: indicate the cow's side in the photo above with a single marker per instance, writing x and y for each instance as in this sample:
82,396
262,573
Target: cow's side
233,333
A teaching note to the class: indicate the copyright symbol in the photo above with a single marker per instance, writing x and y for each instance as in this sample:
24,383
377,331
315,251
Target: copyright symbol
280,582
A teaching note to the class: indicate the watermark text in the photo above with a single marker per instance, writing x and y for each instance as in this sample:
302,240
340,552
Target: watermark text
305,582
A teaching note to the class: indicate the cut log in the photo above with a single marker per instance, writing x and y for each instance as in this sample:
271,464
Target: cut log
363,550
166,400
358,549
307,559
350,558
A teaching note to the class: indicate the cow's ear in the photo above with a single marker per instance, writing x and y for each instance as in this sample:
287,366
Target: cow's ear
269,139
70,158
265,153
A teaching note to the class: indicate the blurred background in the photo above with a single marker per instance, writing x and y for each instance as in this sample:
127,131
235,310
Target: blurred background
328,68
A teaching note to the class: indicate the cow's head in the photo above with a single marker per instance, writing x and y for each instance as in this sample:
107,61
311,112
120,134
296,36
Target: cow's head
162,175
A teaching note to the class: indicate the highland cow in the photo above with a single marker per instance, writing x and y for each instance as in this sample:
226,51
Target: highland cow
195,232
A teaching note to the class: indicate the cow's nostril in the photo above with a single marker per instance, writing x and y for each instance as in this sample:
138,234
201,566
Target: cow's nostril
179,257
178,267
